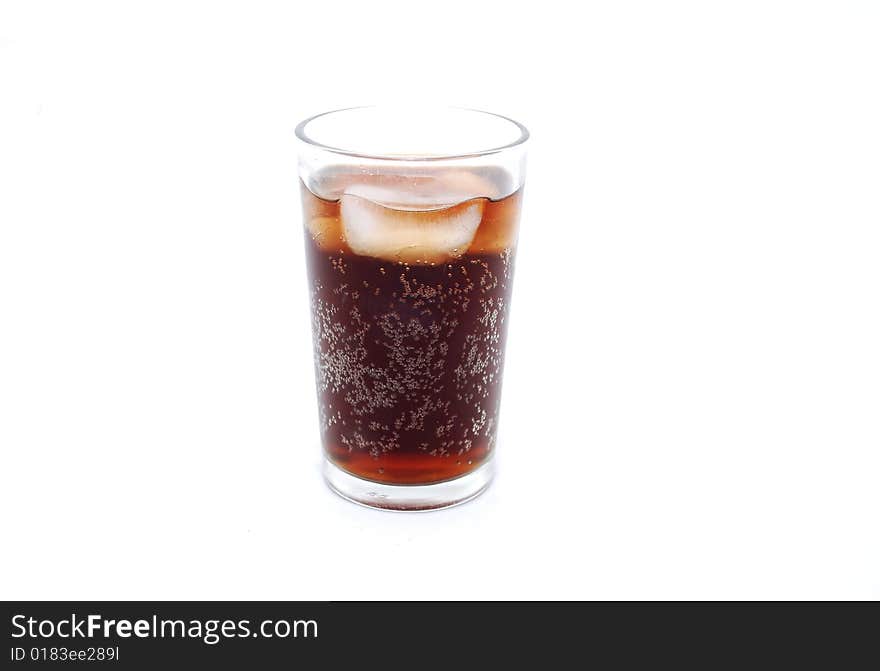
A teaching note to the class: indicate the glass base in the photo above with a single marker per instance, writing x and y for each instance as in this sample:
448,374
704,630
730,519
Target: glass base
409,497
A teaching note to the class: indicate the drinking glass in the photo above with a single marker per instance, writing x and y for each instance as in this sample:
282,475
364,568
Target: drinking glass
410,218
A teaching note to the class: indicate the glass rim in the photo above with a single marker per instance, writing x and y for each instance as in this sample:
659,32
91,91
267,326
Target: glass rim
303,136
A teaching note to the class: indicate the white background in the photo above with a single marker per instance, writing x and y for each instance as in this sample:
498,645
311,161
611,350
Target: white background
692,396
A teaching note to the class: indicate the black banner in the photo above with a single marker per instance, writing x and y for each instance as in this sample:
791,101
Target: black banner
121,635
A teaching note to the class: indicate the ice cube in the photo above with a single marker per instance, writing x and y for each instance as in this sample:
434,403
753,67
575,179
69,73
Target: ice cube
428,191
409,236
327,233
498,229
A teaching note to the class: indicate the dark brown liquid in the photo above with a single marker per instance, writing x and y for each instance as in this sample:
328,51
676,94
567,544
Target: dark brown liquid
409,357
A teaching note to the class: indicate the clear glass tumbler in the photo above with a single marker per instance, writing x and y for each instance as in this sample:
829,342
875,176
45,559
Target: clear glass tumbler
411,219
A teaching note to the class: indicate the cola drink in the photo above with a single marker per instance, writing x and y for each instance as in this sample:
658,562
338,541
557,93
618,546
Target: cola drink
411,216
410,278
